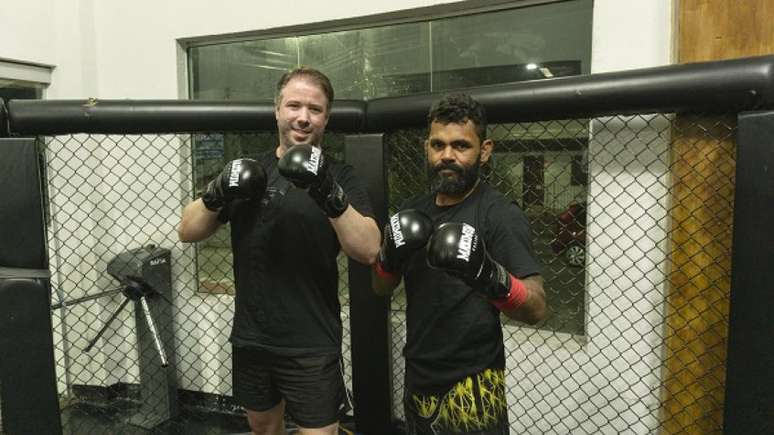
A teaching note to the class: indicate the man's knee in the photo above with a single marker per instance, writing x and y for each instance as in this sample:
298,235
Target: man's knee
332,429
269,422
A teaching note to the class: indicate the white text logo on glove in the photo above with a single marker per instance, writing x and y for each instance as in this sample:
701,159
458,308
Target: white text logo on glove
466,242
397,236
313,163
233,179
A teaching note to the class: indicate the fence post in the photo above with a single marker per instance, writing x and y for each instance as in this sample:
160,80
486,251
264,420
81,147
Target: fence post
369,313
3,119
749,403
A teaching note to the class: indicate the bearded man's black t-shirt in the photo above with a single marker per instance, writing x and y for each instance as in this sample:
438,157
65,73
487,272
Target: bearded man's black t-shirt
453,331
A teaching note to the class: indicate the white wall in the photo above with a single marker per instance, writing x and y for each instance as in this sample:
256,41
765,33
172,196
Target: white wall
631,34
27,30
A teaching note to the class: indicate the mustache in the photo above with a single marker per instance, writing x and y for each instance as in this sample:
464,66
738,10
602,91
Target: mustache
450,166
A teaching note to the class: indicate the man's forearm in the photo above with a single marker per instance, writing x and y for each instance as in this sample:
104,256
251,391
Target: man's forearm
358,235
534,308
197,222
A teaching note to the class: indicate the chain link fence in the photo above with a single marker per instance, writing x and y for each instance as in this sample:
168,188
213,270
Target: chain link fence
111,194
631,219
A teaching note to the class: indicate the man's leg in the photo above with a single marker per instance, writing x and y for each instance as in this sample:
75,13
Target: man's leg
254,389
332,429
269,422
314,391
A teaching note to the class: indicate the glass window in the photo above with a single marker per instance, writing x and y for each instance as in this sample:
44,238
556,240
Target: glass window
400,59
538,165
20,90
512,45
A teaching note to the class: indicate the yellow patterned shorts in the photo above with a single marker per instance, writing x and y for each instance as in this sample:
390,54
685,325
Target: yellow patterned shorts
474,405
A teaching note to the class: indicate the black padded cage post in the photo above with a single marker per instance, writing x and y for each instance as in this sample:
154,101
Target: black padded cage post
370,333
749,376
29,390
707,88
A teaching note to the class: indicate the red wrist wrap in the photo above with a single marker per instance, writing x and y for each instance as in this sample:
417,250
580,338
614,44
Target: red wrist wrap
515,298
383,273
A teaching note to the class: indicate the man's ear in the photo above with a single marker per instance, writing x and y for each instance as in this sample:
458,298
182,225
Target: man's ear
487,146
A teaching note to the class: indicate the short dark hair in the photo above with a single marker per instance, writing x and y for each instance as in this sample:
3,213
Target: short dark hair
459,108
311,74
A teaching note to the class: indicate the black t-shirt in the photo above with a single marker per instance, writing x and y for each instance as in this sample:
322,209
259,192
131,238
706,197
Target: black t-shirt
453,331
285,265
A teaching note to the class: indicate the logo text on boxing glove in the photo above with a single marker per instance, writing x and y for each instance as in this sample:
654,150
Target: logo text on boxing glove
466,242
313,163
397,235
233,178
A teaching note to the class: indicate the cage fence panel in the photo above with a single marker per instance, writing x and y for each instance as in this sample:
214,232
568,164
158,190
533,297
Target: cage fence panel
631,219
107,195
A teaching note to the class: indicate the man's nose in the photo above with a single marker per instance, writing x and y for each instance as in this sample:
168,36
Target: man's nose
302,117
447,154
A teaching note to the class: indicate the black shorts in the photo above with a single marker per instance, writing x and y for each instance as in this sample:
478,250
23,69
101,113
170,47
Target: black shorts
473,406
312,386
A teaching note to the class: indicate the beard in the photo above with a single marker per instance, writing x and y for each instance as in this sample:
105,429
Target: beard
461,182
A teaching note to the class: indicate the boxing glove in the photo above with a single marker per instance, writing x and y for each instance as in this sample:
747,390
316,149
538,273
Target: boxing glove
240,179
406,232
458,249
305,166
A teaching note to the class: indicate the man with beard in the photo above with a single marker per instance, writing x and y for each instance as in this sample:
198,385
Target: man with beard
291,211
466,255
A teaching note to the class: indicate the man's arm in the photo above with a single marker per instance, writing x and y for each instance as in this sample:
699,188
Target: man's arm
197,222
240,178
358,235
458,248
383,284
305,166
534,308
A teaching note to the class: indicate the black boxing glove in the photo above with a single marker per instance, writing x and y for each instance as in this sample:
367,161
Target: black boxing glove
240,178
458,249
406,232
305,166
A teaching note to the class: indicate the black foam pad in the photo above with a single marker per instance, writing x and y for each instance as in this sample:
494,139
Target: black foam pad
29,396
22,232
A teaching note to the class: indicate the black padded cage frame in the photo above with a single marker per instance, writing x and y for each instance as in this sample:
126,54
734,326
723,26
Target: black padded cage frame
742,89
